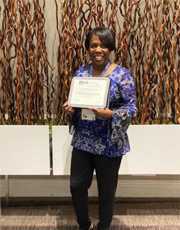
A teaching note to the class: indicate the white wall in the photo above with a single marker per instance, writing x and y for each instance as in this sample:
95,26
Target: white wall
155,149
151,169
24,150
128,186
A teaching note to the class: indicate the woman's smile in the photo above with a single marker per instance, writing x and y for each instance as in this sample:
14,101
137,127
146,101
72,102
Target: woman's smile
98,57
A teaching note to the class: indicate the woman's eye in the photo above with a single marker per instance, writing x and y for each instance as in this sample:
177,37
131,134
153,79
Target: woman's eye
93,45
103,46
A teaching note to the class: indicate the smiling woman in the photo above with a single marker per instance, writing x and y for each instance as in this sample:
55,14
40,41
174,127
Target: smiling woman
99,144
99,43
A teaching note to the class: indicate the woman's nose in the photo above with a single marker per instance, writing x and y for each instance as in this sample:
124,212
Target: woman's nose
98,49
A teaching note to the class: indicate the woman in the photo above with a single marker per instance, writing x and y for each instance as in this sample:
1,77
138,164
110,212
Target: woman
99,145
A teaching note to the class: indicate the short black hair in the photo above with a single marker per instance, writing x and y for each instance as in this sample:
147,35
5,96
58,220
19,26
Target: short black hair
105,35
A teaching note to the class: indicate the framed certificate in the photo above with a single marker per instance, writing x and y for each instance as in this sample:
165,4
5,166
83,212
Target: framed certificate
89,92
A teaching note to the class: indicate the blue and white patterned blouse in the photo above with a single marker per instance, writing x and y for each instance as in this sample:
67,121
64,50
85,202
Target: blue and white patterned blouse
107,136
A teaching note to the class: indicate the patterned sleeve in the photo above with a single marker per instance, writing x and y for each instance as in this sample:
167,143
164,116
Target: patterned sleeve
122,114
82,71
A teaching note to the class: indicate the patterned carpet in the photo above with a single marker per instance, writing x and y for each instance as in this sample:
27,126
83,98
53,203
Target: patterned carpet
129,214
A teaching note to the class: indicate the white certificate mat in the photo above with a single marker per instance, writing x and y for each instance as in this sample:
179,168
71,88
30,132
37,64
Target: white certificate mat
89,92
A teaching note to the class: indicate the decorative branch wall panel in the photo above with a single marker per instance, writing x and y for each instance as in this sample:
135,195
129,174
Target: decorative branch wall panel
34,87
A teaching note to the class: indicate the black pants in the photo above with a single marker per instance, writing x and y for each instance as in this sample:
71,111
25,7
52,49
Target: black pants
82,168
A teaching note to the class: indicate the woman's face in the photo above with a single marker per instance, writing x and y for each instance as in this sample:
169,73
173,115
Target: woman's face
98,52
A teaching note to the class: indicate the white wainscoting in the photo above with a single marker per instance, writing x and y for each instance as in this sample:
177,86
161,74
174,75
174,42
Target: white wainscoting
155,149
24,150
61,145
59,187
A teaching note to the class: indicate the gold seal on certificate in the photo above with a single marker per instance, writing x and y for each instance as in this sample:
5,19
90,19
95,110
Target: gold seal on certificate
89,92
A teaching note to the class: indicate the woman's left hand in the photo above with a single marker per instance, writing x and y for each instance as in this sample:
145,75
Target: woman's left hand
103,113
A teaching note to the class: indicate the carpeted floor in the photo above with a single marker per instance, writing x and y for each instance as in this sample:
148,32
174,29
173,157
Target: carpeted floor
129,214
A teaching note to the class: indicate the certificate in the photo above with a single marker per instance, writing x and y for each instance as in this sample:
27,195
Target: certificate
89,92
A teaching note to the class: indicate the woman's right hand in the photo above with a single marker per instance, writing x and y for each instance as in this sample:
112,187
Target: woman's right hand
68,108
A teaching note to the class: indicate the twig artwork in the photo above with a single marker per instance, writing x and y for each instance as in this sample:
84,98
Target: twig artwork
33,88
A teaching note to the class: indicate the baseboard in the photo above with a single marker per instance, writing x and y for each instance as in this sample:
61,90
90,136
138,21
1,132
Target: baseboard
60,188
